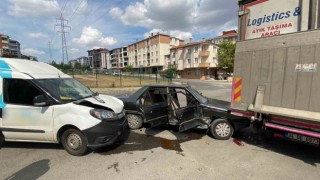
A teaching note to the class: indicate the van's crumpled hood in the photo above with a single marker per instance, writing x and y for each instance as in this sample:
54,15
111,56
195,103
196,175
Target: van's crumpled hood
107,101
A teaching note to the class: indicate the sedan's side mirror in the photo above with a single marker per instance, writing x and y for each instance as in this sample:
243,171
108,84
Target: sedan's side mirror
40,100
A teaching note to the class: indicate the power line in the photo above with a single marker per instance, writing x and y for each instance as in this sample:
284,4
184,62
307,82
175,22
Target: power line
63,30
76,10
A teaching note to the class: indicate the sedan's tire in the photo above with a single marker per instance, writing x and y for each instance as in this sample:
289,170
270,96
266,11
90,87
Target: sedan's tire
134,121
74,142
221,129
1,139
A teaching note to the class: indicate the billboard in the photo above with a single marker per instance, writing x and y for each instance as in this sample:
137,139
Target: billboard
266,18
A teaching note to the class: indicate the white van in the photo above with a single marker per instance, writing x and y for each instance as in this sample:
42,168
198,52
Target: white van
39,103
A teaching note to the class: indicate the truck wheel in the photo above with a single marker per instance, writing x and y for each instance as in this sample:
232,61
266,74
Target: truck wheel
221,129
134,121
74,142
1,139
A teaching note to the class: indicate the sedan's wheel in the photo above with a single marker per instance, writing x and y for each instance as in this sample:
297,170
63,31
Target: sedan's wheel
74,142
221,129
1,139
134,121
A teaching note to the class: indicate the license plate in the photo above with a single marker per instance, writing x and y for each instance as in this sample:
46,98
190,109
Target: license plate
301,138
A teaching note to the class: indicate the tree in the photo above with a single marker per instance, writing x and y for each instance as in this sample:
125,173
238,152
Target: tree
128,68
226,53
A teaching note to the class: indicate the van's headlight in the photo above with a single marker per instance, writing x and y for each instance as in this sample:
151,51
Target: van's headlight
102,114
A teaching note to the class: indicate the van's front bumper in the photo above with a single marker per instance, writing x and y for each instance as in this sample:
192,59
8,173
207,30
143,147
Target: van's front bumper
106,132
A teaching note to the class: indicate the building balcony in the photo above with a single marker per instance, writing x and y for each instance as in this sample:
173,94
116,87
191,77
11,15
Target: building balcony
204,53
204,65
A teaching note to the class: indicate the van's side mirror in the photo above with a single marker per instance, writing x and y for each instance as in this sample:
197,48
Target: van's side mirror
40,100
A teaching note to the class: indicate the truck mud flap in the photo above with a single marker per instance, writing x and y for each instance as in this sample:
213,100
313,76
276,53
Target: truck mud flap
191,124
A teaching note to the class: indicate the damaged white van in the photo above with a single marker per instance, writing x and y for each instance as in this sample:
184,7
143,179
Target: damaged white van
39,103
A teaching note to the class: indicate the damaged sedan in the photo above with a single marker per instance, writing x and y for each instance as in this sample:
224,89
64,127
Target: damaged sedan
183,106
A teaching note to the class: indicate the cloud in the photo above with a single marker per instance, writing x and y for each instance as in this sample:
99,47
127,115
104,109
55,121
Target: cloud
74,50
175,33
32,52
91,37
36,8
37,35
179,15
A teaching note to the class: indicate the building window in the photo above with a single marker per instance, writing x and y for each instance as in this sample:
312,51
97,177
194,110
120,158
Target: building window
151,53
196,60
156,52
151,60
196,49
156,60
189,61
144,55
173,54
189,50
189,72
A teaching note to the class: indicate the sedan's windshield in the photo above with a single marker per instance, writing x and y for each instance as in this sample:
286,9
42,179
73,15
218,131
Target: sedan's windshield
65,89
201,98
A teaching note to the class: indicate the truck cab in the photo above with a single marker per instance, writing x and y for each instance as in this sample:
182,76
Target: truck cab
39,103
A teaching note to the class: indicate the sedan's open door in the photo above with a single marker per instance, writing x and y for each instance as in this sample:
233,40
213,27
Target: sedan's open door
155,106
185,109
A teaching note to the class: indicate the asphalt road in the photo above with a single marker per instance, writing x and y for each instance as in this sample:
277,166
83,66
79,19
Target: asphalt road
163,153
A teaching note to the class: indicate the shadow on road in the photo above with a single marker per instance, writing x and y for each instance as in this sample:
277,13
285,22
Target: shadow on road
306,153
31,145
32,171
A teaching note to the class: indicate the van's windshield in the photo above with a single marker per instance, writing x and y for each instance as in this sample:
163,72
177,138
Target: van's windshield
65,89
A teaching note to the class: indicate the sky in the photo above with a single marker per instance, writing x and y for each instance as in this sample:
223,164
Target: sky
109,23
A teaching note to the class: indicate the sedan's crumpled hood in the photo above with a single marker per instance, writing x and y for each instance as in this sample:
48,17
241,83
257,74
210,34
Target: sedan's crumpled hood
107,101
215,103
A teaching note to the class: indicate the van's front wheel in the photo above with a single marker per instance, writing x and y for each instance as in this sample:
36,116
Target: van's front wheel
74,142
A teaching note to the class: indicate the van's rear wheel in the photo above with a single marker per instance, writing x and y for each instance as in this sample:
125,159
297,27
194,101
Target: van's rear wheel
221,129
74,142
134,121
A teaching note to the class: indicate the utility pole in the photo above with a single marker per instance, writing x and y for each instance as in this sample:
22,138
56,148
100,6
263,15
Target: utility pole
50,52
64,28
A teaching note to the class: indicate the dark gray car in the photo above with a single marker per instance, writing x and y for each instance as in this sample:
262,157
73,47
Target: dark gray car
183,106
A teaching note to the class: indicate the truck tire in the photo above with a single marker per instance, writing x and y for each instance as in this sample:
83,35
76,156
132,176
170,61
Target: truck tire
74,142
1,139
134,121
221,129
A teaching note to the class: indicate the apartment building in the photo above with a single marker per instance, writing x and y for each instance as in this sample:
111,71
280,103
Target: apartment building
195,60
230,36
119,57
84,61
9,47
149,53
99,58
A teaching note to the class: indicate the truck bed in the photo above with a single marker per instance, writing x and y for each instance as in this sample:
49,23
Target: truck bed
280,76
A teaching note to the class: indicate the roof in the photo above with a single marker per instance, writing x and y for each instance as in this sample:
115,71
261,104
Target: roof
167,85
226,34
189,44
34,68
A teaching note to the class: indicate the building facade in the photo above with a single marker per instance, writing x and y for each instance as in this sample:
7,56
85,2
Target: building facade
230,36
99,58
119,58
149,53
84,61
9,47
195,60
